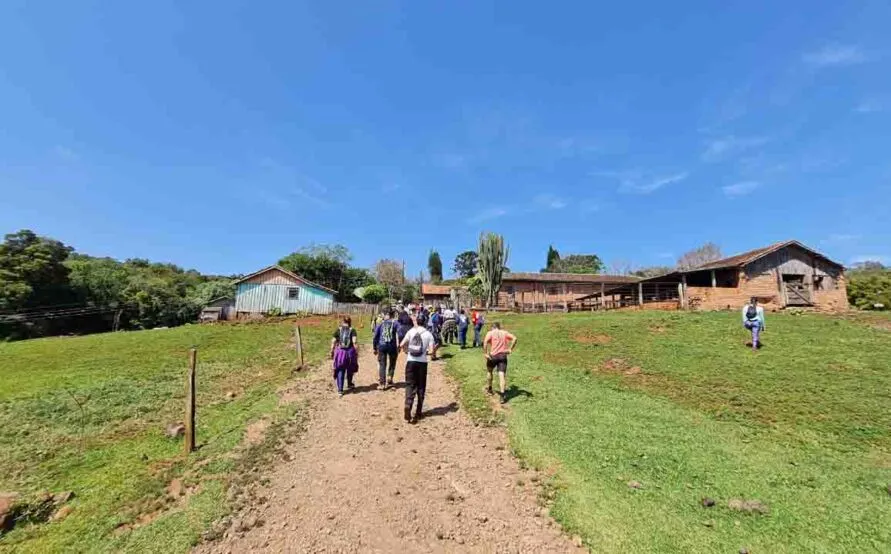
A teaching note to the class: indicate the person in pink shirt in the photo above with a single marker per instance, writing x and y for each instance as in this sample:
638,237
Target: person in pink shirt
497,346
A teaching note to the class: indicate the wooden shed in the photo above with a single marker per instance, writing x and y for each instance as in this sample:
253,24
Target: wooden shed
783,274
218,309
275,289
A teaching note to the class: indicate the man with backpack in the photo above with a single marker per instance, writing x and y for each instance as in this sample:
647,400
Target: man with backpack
418,342
497,346
385,348
753,320
463,324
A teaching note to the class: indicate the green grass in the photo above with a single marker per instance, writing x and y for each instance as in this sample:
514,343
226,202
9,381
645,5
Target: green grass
676,402
114,454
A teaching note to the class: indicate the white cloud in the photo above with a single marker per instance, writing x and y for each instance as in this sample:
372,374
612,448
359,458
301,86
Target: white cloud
66,153
489,214
881,258
549,201
870,106
721,148
650,185
835,55
740,189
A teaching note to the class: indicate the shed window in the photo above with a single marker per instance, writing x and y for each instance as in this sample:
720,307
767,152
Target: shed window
293,293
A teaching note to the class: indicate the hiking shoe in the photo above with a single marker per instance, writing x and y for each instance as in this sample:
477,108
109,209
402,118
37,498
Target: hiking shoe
407,415
489,390
503,398
351,386
389,383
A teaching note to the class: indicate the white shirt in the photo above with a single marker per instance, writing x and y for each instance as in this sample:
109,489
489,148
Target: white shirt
426,339
448,314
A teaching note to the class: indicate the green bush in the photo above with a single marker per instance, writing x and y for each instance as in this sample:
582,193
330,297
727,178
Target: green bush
868,289
374,294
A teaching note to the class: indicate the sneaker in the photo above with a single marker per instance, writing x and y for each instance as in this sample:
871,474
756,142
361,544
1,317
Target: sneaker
489,390
389,383
407,415
503,398
340,394
382,385
351,386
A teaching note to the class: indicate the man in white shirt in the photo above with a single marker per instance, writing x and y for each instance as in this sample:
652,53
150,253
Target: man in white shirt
417,343
753,320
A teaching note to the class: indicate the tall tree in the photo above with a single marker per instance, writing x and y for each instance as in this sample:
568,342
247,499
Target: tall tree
434,266
324,264
653,271
553,258
708,252
32,271
577,263
493,256
465,264
389,274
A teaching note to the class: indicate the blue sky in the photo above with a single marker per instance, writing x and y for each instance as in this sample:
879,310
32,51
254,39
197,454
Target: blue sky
222,135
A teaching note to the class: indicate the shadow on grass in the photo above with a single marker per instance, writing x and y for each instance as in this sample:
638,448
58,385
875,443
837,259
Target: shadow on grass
514,391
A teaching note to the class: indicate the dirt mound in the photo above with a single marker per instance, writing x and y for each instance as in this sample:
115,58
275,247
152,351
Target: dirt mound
618,365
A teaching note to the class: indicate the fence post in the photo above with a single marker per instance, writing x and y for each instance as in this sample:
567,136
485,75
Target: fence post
640,294
189,445
299,345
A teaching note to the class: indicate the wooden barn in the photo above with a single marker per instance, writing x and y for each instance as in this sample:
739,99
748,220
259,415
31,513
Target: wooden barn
276,289
435,295
553,291
780,275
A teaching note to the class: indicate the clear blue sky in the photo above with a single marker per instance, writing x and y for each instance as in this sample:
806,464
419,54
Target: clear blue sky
222,135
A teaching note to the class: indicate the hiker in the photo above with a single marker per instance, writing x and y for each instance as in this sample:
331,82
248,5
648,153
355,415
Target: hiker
497,346
463,323
405,323
436,330
449,326
343,352
385,348
753,320
417,343
478,321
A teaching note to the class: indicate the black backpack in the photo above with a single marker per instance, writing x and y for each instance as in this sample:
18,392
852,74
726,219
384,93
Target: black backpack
416,344
751,312
346,337
387,331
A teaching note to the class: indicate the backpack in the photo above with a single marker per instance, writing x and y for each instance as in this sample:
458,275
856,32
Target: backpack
416,345
751,312
345,337
387,331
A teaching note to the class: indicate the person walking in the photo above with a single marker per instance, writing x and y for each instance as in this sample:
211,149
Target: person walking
463,323
497,346
386,349
753,320
478,321
436,330
418,342
405,323
449,326
343,352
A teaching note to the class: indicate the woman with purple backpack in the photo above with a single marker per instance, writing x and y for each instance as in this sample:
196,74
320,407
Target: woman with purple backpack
343,352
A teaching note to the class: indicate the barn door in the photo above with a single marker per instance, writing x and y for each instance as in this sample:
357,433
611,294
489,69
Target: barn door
797,291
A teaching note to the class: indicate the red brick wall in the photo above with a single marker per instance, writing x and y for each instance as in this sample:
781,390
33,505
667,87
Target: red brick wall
835,300
763,286
530,292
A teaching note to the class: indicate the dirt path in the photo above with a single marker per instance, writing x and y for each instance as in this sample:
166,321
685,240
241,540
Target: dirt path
363,480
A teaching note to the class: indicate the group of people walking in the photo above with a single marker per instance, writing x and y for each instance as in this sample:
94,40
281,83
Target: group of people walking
418,332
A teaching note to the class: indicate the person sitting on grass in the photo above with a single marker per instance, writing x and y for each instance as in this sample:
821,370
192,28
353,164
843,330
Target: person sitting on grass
497,346
753,320
343,352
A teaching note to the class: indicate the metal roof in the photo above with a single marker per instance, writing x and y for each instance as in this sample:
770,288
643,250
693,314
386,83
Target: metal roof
740,260
570,278
288,273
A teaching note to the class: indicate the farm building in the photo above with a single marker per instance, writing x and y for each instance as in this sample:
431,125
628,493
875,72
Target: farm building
549,291
276,289
780,275
435,294
218,309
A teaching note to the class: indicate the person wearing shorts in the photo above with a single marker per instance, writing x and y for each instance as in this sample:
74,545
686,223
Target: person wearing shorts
497,346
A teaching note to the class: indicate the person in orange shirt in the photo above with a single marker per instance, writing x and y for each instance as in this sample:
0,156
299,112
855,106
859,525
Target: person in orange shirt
497,346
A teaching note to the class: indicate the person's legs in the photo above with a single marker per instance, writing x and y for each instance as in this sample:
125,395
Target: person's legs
410,389
502,379
462,337
381,368
489,368
476,335
339,374
421,380
756,335
391,370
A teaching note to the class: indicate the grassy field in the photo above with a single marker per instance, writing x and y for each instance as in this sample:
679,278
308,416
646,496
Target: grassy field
677,403
113,453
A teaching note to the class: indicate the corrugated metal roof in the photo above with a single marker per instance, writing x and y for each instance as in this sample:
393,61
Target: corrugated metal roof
569,278
286,272
746,258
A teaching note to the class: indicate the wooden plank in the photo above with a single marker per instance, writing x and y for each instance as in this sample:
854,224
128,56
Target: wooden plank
189,442
714,279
